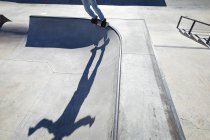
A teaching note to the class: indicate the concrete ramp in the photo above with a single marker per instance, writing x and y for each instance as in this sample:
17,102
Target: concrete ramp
63,85
63,32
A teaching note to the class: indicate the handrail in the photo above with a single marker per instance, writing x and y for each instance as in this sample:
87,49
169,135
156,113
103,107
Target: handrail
195,20
193,24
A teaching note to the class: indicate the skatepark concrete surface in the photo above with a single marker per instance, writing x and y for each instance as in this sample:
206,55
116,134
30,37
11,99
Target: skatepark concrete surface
63,78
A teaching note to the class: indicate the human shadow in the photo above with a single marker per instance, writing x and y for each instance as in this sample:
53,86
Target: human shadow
66,125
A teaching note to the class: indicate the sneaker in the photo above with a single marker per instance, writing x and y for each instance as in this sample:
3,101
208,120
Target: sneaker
94,20
103,23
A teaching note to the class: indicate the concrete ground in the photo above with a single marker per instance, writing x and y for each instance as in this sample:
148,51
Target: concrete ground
143,113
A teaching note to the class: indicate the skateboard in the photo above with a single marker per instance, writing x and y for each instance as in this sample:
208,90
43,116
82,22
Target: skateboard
99,24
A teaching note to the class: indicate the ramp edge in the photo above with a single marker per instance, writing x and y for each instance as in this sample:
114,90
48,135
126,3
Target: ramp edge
164,87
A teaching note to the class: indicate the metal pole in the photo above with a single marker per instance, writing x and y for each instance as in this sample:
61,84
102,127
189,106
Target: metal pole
191,27
179,22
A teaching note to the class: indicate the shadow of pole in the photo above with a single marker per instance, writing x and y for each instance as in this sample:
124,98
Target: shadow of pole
66,125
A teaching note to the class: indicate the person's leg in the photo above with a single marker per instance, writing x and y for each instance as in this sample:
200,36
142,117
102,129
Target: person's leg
88,9
96,9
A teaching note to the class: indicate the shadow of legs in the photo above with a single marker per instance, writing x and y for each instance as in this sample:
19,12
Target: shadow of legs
43,123
66,125
85,121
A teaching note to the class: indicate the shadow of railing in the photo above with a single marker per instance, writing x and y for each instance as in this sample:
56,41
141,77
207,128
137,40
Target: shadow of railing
199,34
65,124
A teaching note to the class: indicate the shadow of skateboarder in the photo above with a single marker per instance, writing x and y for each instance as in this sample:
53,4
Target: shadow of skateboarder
66,125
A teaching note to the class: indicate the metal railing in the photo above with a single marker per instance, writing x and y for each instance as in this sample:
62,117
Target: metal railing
192,26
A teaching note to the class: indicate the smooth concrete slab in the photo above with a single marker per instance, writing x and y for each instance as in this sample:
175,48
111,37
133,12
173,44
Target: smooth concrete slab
161,22
6,46
133,37
55,100
143,110
44,90
189,84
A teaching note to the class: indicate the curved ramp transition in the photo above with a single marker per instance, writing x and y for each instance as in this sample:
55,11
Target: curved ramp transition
66,81
92,105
